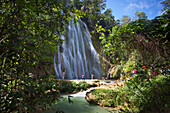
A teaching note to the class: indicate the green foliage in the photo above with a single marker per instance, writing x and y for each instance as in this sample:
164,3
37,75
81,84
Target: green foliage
29,37
72,87
94,19
143,94
150,38
126,19
105,97
96,81
83,85
28,94
147,38
141,14
114,46
93,9
166,4
93,85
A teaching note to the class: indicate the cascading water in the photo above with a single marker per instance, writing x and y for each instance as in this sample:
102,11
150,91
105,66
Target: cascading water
79,56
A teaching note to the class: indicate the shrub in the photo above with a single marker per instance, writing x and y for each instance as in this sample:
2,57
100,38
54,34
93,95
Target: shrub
96,81
143,93
105,97
70,87
83,85
29,94
93,85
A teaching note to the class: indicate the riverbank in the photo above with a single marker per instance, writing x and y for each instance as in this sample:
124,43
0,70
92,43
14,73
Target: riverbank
78,102
106,84
123,96
101,85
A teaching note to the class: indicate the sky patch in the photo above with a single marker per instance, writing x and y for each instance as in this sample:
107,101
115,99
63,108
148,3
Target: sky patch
121,8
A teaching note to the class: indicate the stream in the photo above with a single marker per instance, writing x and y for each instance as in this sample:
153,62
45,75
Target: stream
78,105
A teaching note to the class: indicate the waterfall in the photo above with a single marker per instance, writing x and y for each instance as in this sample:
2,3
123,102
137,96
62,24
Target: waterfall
78,56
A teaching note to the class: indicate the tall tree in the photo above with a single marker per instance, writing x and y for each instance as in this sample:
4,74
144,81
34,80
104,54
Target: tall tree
29,36
94,8
166,5
108,12
125,19
141,14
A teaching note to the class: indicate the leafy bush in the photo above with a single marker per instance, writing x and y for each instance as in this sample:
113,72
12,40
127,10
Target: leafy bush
93,85
96,81
141,94
105,97
145,95
70,87
29,94
30,36
83,85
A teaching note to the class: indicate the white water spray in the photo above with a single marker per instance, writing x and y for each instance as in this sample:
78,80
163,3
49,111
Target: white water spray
79,56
